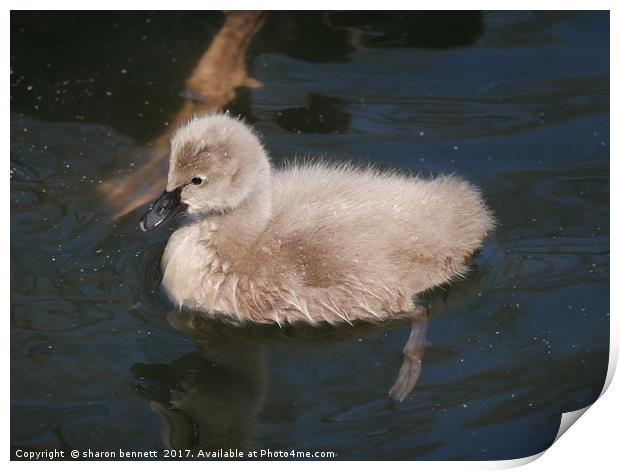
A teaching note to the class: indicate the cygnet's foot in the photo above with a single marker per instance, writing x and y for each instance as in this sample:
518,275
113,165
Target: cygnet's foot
414,350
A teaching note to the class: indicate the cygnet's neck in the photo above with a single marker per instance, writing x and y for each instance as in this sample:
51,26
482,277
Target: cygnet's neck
238,229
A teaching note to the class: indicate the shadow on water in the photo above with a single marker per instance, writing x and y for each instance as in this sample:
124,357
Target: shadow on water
517,102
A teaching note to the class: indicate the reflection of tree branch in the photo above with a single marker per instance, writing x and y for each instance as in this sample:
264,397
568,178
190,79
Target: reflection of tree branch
212,85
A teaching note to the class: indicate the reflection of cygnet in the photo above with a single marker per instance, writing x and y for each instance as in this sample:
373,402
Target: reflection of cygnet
209,399
309,243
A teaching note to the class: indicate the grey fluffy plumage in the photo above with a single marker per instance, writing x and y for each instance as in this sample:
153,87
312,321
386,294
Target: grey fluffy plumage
313,241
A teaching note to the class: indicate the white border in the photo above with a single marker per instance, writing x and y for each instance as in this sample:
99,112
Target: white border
314,5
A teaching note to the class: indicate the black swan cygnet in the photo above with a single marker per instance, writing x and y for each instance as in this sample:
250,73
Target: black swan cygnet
314,242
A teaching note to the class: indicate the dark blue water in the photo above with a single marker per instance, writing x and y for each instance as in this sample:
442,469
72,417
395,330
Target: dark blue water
518,103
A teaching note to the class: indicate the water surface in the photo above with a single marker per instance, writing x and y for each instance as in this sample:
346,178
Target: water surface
518,103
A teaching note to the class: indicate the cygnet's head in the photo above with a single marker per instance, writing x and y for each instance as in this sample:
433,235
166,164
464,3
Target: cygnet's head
216,162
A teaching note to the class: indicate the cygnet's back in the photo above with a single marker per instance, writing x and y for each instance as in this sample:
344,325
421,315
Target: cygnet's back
382,227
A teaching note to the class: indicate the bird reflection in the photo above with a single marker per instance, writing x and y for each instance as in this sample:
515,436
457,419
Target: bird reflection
210,399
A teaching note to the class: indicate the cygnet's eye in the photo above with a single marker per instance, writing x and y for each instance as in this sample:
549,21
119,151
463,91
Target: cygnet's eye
196,180
163,208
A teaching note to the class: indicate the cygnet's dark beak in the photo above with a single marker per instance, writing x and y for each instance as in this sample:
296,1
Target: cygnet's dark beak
167,206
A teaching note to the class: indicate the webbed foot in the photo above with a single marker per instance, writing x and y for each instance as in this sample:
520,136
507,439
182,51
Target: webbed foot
414,350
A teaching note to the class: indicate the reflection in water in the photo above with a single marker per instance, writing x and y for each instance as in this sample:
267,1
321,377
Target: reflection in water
336,36
209,399
136,88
